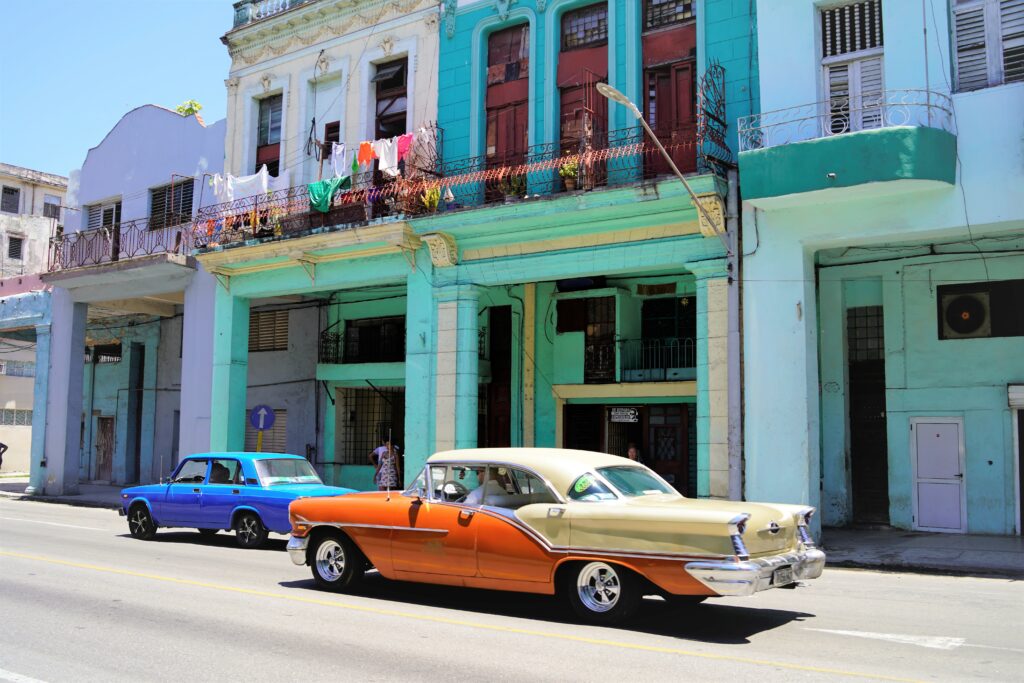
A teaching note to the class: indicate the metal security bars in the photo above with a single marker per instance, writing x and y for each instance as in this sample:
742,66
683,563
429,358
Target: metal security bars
658,360
367,416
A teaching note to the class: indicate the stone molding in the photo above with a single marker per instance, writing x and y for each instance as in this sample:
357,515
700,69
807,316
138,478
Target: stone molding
444,251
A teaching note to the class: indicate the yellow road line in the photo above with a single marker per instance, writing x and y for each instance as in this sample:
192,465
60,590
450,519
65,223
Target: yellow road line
460,622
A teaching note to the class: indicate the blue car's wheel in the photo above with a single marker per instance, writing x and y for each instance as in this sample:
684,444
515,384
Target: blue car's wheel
140,522
336,562
249,530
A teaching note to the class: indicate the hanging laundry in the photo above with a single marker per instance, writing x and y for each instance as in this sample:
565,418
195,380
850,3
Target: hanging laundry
281,182
366,154
338,159
321,192
387,152
227,188
404,143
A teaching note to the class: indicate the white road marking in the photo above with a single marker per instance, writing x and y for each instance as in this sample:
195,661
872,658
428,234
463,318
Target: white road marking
994,647
16,678
37,521
931,642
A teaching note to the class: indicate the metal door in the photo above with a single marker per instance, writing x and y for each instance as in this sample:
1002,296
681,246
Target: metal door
667,448
104,448
939,475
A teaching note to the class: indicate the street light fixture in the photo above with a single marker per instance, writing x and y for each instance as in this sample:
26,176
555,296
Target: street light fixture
617,96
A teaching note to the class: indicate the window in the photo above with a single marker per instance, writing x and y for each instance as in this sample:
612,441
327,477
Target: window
11,200
852,66
634,481
659,13
274,439
18,368
268,135
104,215
332,132
375,340
392,98
508,73
14,417
508,55
989,43
286,471
191,472
268,331
170,205
588,488
370,416
15,247
585,27
104,353
226,472
668,318
456,483
51,206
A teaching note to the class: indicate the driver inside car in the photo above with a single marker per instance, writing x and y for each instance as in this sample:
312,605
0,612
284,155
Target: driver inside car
490,488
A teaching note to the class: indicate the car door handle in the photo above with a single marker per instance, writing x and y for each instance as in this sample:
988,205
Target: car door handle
235,491
196,491
467,513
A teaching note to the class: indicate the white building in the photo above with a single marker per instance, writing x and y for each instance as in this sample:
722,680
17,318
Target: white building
30,211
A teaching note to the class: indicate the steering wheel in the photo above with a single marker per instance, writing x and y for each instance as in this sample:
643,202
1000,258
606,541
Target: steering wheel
453,491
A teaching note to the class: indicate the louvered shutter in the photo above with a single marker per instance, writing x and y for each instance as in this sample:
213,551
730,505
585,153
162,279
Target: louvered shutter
268,331
870,97
1011,22
95,217
157,208
274,439
971,61
838,76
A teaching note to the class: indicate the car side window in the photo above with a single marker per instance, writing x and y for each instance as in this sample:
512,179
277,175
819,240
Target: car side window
516,488
191,472
457,483
228,472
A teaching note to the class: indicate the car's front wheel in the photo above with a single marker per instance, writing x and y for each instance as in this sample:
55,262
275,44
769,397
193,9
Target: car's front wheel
249,530
602,593
140,522
336,562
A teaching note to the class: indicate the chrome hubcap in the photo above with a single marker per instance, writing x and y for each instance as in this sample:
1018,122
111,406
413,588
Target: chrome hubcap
248,530
138,522
330,560
598,587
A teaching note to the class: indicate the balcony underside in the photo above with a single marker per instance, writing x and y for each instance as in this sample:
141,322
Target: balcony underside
141,276
876,162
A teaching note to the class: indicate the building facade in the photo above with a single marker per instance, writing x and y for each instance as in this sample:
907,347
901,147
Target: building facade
883,235
31,208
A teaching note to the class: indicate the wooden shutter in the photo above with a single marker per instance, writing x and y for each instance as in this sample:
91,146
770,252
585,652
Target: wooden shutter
275,439
838,78
870,95
971,60
268,331
1011,22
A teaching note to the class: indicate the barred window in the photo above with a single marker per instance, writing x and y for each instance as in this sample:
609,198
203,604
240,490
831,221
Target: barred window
585,27
851,28
268,331
15,248
18,368
658,13
14,417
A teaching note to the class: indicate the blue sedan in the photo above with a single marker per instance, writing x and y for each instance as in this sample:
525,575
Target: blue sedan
246,492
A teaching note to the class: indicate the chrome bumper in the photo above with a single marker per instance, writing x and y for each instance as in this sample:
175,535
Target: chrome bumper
747,578
297,549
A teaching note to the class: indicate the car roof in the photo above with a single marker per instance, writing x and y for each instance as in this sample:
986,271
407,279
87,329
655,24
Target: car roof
244,456
560,466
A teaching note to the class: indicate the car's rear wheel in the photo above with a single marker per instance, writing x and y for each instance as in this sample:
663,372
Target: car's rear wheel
602,593
140,522
249,530
336,562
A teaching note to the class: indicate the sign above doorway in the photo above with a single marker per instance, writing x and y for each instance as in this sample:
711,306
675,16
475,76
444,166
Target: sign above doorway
623,414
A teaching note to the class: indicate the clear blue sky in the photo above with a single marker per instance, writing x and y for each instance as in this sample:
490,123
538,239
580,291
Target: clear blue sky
72,68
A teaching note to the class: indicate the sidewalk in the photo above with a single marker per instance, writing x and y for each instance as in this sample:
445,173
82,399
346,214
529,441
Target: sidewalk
900,550
89,495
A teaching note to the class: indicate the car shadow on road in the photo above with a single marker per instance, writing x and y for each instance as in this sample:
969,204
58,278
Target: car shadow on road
707,622
223,539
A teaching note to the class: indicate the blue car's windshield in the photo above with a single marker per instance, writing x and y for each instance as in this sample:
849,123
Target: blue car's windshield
286,471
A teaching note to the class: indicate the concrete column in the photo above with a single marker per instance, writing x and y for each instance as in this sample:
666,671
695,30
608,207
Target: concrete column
529,369
37,473
419,364
64,394
458,367
230,372
712,379
88,396
148,470
196,365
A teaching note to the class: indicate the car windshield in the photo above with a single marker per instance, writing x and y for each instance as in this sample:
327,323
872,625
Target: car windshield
286,471
634,481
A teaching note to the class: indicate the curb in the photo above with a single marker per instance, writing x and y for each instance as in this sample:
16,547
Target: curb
976,572
85,503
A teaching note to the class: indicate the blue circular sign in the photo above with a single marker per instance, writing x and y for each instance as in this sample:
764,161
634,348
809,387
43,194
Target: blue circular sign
261,418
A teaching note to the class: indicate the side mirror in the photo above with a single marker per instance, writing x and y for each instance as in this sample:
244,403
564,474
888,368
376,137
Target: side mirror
417,493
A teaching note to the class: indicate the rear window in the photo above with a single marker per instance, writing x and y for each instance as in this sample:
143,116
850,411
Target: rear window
589,488
634,481
286,471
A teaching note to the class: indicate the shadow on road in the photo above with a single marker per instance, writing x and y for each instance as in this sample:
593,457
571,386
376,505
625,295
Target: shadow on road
223,539
707,623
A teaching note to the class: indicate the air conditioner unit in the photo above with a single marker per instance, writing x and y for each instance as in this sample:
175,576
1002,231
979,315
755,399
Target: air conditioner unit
966,315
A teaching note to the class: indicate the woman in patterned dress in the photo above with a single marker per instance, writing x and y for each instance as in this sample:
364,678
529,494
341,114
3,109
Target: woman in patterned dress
385,462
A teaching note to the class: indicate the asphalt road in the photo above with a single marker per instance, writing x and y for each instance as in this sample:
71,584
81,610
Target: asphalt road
82,601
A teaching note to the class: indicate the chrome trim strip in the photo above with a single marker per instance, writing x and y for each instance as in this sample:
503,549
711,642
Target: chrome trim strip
346,525
747,578
297,546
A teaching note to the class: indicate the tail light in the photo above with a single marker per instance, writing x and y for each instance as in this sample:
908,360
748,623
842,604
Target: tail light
803,523
737,525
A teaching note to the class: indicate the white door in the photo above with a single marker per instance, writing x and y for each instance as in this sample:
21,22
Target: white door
939,475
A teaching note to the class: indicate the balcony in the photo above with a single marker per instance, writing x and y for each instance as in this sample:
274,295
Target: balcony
898,135
658,360
251,11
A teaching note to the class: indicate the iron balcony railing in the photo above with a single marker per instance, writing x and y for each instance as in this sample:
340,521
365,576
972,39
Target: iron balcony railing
600,160
251,11
118,242
923,108
658,360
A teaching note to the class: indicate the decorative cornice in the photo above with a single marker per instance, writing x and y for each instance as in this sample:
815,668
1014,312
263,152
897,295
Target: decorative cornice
444,252
502,7
448,8
714,206
541,4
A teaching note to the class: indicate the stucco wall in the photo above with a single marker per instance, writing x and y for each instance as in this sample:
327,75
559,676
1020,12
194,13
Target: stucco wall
35,232
16,393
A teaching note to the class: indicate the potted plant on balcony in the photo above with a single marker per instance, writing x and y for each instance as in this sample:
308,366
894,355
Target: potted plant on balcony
430,198
513,187
569,172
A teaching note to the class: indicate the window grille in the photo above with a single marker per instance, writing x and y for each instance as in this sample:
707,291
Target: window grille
10,200
268,331
659,13
102,215
370,415
865,333
989,43
170,205
18,368
15,248
274,439
585,27
851,28
15,417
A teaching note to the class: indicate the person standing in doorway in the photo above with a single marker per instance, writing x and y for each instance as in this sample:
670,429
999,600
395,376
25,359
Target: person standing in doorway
385,461
633,453
3,449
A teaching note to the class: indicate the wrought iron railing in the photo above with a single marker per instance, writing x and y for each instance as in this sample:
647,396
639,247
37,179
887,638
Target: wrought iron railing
330,350
118,242
846,115
658,360
599,362
249,11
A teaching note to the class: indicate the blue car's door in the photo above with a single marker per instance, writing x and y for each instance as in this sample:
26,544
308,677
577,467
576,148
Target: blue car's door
182,500
222,493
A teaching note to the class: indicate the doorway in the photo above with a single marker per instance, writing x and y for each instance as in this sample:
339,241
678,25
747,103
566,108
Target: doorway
937,449
105,448
869,446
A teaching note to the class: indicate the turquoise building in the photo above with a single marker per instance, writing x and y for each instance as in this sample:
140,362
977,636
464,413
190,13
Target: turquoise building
883,264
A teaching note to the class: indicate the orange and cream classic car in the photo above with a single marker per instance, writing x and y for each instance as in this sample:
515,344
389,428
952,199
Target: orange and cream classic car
601,530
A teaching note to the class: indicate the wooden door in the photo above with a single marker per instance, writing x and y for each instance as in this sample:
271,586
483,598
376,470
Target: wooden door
671,113
667,450
105,448
498,432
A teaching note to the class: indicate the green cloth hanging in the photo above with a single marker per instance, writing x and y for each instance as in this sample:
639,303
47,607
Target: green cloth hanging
321,193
